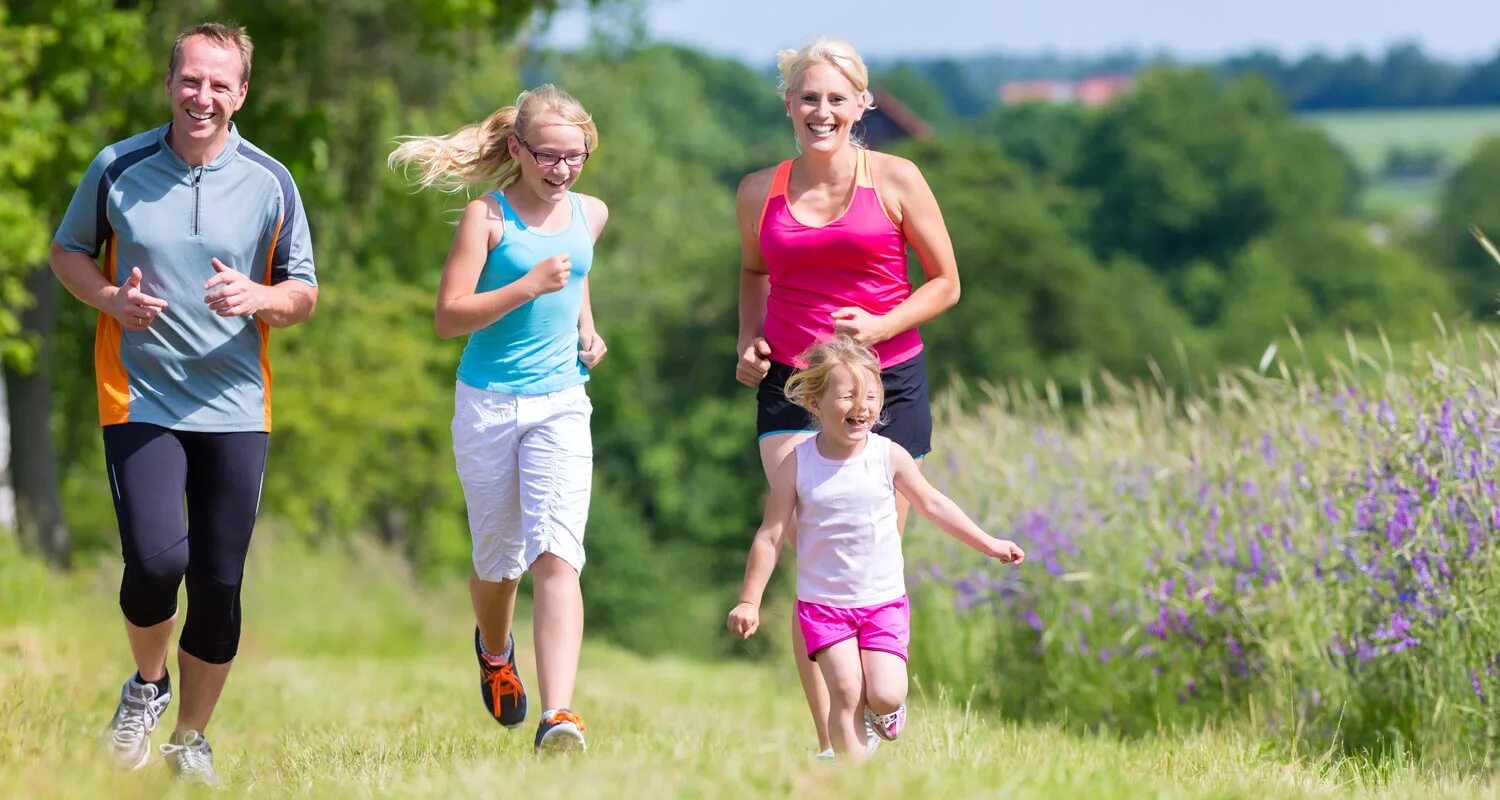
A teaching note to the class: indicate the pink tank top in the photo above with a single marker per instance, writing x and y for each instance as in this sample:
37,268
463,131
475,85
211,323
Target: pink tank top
858,259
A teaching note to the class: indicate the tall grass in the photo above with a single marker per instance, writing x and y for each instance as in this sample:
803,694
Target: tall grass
1314,557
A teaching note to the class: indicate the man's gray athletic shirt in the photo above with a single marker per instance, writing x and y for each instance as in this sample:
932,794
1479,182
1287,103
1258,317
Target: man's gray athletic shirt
143,206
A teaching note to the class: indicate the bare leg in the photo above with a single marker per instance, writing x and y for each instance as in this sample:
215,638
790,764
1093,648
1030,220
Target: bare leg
149,647
199,687
557,627
813,686
775,449
494,605
843,673
885,680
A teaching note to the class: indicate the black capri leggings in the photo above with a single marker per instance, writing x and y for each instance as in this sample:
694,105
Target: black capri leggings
151,471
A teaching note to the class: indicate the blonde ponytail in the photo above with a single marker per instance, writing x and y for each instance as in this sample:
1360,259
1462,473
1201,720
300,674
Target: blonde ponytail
479,155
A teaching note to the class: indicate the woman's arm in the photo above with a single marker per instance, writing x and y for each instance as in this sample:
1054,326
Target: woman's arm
755,284
907,194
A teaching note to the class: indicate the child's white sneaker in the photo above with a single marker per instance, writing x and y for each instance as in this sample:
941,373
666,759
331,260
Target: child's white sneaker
886,726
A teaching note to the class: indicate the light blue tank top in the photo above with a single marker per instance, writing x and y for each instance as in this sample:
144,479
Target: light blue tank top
533,349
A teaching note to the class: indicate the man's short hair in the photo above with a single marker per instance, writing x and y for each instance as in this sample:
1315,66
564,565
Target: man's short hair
226,36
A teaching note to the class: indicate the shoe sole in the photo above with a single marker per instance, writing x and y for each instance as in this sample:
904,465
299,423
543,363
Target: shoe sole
140,763
565,738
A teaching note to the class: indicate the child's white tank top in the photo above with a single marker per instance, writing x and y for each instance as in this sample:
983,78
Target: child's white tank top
848,546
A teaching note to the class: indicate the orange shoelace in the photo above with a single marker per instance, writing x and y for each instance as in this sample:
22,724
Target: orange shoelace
567,716
503,683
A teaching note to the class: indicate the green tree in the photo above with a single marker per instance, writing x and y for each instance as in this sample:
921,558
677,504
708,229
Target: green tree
1470,198
1325,278
327,93
1186,168
1036,305
916,91
1043,136
68,78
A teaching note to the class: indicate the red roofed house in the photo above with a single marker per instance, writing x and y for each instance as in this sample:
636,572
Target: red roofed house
1093,90
891,121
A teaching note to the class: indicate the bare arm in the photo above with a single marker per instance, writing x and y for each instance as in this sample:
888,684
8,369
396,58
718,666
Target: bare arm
586,329
590,343
744,618
231,293
755,282
459,309
943,512
288,303
127,304
921,220
80,275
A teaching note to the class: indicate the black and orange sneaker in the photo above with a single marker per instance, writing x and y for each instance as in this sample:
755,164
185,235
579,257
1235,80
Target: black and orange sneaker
560,731
500,685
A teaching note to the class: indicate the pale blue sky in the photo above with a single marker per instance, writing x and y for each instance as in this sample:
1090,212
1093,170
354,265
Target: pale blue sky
754,29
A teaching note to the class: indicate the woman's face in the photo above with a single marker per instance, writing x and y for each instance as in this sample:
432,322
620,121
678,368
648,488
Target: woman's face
824,107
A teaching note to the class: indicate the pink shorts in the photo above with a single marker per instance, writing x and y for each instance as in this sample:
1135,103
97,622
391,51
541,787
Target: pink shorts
886,627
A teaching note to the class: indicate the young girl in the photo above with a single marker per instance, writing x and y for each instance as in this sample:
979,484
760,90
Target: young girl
516,281
841,485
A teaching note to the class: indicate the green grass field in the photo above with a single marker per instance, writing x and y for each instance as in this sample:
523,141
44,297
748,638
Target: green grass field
1370,135
353,682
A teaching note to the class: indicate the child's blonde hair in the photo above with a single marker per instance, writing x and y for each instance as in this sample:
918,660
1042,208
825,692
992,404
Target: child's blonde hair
479,155
811,381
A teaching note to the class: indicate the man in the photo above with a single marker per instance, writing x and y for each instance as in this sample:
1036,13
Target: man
205,248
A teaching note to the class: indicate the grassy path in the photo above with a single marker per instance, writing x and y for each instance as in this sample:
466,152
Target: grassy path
353,683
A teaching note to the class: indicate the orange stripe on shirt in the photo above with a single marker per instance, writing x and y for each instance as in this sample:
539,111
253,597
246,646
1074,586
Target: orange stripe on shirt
110,377
779,180
265,330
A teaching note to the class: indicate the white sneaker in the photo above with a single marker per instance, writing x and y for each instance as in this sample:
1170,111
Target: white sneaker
886,726
141,706
190,757
560,731
872,738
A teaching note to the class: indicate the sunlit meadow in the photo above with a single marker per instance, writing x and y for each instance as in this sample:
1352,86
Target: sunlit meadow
1314,558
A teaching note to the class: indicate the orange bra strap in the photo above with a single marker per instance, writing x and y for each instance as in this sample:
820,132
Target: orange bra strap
778,188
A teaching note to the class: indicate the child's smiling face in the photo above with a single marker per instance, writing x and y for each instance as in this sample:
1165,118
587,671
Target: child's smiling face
850,404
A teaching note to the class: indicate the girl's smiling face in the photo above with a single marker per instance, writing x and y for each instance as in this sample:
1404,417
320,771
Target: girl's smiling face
849,405
551,139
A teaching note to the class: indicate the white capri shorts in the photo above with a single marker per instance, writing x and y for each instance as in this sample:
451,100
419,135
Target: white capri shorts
526,463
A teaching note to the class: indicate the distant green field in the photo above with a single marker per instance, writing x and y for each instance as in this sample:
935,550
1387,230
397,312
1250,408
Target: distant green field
1413,201
1369,136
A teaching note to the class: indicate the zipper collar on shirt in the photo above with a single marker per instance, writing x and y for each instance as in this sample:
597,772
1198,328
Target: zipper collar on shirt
226,155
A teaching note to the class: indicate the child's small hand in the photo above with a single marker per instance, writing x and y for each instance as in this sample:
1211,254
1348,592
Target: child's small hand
1006,552
744,619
